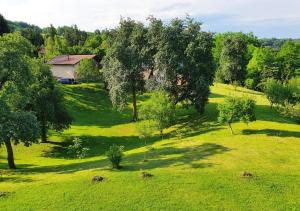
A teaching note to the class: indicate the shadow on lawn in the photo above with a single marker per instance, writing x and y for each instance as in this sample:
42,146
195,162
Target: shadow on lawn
271,132
87,102
97,145
158,158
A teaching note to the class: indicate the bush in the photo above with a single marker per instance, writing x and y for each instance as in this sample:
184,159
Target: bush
77,149
249,83
115,155
280,94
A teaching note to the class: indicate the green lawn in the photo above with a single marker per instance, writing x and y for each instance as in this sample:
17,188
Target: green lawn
196,167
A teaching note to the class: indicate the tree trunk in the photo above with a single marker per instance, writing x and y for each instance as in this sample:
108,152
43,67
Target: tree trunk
229,124
134,111
43,133
10,154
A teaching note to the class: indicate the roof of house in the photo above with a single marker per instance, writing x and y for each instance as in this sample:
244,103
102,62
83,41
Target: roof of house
69,59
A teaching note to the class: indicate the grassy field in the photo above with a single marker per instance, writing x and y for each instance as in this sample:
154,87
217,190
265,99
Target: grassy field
196,167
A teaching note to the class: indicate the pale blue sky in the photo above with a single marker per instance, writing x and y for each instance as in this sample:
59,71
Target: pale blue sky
265,18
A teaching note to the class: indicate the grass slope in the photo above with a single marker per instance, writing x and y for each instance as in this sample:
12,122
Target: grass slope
197,166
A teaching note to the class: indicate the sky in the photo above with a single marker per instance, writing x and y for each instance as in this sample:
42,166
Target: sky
265,18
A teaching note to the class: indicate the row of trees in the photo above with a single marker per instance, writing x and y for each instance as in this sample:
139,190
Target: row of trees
30,101
240,58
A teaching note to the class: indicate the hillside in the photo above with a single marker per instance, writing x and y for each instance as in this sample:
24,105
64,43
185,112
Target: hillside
197,166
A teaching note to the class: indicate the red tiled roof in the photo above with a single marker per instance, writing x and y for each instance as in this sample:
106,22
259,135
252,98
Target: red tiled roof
69,59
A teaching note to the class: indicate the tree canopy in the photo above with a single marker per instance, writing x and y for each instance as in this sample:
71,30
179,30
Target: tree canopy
123,64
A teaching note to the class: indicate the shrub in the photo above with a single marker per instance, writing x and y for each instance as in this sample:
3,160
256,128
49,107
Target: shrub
281,94
249,83
77,149
115,155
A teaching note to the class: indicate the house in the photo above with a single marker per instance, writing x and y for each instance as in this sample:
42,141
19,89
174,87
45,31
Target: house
64,66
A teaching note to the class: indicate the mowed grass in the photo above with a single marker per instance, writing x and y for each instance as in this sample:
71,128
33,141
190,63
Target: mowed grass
196,167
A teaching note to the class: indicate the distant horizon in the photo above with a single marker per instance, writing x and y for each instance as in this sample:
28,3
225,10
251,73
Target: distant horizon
264,18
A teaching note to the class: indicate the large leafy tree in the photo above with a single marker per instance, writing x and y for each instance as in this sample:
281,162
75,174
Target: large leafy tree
4,28
47,100
233,60
123,64
182,60
16,125
289,59
263,65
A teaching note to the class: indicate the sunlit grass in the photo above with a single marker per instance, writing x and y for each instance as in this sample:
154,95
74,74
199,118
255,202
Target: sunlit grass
196,167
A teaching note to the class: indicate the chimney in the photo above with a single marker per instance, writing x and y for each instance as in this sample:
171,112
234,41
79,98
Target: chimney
68,57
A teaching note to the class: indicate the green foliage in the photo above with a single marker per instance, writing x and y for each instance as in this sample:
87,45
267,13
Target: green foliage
16,124
55,46
87,71
34,35
47,100
76,149
263,65
289,58
72,35
123,64
4,28
206,161
115,155
281,94
180,55
158,111
236,109
233,60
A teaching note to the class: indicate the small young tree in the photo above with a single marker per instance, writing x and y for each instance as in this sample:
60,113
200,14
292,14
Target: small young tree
145,130
236,109
159,110
115,155
87,71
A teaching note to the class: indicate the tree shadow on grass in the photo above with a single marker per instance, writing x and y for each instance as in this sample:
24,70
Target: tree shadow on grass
91,106
98,145
159,158
170,156
272,132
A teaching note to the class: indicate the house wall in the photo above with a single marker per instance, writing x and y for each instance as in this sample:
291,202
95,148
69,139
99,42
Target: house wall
64,71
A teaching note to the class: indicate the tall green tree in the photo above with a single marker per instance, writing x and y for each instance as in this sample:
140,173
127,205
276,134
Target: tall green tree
289,59
182,60
16,124
47,101
263,65
55,46
233,60
123,64
4,28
